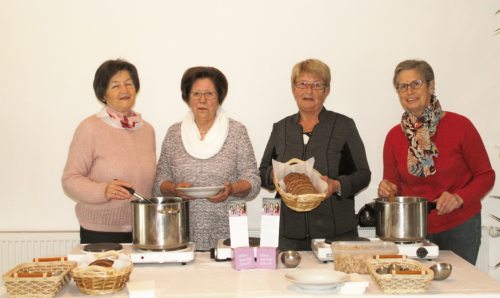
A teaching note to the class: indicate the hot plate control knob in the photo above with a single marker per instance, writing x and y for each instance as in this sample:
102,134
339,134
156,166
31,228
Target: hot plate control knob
422,252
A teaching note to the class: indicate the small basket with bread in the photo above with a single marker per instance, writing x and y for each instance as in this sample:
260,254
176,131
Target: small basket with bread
43,277
410,277
299,184
102,274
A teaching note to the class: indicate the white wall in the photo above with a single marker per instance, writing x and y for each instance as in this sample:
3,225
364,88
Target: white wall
50,50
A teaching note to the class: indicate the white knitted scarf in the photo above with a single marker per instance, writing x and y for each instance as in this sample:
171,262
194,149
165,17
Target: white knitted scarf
213,141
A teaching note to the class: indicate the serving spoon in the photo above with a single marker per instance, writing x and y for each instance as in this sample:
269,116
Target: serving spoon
135,194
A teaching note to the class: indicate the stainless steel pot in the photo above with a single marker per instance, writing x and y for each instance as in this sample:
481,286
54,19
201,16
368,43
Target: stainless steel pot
160,224
402,220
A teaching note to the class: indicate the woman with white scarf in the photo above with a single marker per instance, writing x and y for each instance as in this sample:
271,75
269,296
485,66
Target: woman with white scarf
207,149
438,155
111,150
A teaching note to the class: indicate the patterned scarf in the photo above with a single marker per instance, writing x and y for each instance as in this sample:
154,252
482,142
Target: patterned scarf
419,131
127,121
132,121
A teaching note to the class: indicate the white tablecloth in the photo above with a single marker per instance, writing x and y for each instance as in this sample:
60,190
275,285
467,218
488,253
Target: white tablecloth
204,277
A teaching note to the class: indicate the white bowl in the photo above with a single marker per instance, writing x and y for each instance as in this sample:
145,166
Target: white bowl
201,192
317,279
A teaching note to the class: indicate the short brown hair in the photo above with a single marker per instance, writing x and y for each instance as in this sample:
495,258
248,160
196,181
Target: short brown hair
193,74
421,66
314,67
107,70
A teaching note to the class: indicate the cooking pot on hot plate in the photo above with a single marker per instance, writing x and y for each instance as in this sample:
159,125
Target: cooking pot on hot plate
402,219
160,223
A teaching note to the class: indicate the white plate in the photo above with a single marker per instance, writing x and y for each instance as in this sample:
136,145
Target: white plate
317,279
201,192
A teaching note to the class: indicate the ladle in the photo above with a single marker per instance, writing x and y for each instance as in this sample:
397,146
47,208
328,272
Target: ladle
135,194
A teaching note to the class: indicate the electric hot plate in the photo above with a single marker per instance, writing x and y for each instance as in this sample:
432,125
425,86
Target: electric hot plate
102,247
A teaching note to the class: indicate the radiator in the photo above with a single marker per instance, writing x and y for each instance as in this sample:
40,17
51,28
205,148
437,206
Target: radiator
20,247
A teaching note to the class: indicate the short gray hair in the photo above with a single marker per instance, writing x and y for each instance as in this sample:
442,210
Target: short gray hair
421,66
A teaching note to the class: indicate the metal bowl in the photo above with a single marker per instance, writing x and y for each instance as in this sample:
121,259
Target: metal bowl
441,270
290,258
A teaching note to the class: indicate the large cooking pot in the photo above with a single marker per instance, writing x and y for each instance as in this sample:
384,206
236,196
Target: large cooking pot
160,223
402,219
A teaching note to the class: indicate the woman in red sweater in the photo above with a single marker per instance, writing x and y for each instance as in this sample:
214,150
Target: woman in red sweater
438,155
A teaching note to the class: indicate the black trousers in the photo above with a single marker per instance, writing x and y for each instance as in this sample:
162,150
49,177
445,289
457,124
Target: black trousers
88,236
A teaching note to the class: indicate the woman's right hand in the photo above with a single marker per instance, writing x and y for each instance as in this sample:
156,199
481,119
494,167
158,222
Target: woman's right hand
169,188
115,190
386,188
180,193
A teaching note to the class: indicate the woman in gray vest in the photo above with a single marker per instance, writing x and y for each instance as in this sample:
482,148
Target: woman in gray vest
334,142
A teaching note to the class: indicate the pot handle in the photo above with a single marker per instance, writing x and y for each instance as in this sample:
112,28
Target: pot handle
54,259
430,206
169,211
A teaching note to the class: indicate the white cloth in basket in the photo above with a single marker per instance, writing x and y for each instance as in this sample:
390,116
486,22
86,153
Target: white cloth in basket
281,169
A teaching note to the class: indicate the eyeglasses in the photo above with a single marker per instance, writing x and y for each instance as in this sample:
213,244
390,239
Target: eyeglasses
306,85
209,95
413,84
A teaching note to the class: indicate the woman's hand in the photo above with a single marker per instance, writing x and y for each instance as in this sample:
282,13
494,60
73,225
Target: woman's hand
115,190
448,202
223,194
333,186
386,188
168,188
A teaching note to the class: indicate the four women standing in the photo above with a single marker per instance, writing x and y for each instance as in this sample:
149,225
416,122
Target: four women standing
433,154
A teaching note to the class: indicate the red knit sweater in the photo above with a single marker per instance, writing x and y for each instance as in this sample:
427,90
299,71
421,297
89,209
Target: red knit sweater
463,168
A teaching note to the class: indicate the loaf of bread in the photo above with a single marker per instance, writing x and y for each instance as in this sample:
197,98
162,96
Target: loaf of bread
299,184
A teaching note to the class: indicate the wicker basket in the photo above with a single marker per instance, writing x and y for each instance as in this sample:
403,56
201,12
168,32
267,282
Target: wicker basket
41,279
401,283
95,280
299,203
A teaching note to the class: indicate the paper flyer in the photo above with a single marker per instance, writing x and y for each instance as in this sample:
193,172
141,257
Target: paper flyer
270,222
238,224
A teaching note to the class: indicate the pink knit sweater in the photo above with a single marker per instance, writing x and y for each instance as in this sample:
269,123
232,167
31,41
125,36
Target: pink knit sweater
98,154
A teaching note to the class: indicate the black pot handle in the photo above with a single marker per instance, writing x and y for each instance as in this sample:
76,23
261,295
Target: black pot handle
430,206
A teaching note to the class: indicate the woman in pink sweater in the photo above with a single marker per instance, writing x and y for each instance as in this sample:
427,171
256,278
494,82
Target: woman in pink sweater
440,156
110,150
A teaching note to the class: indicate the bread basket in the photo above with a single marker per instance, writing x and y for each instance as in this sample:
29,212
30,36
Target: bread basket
97,280
299,203
38,279
401,283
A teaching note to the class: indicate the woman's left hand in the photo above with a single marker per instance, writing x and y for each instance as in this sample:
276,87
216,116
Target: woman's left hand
447,202
223,194
333,186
